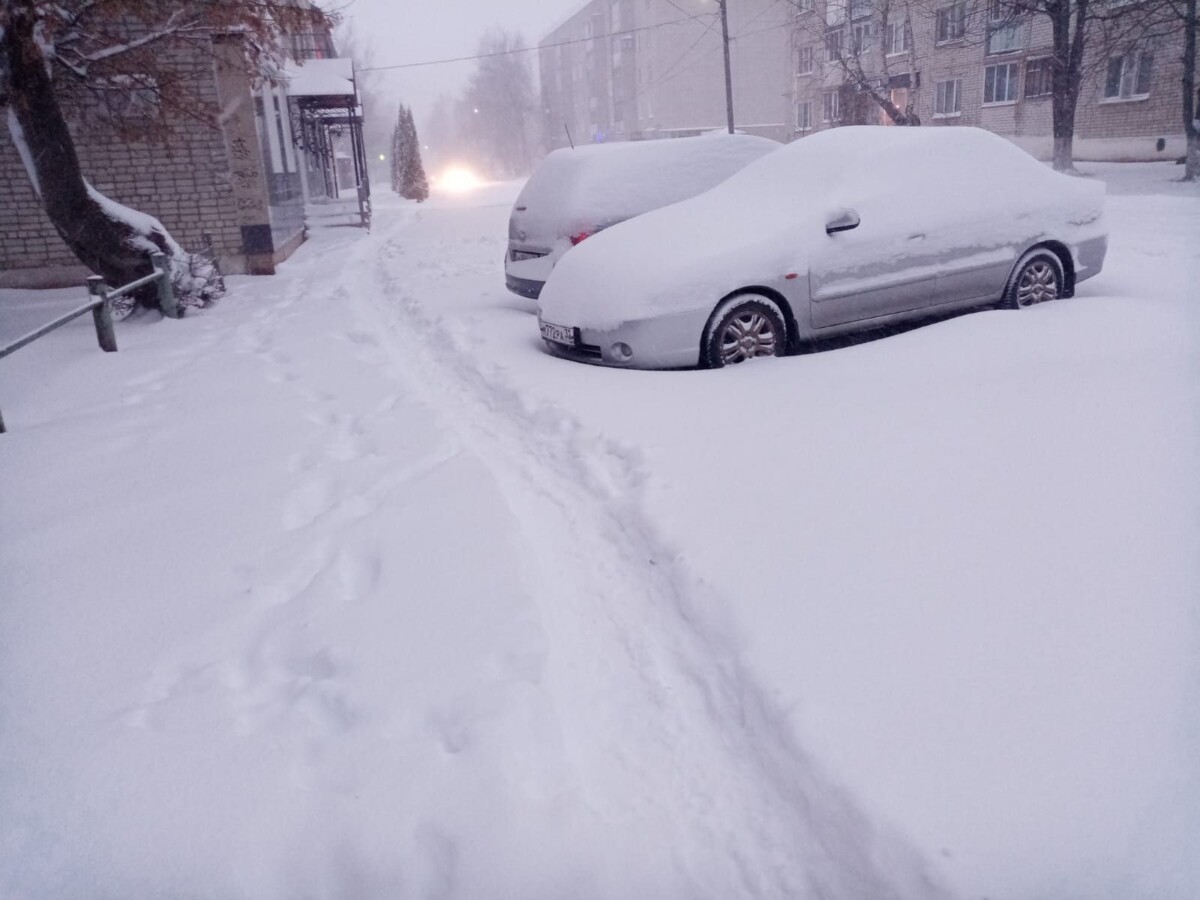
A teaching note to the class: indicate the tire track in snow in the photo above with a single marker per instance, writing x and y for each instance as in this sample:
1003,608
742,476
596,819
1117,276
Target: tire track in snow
649,694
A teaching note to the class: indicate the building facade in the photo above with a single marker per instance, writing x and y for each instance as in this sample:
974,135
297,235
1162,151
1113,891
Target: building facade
222,171
641,69
967,62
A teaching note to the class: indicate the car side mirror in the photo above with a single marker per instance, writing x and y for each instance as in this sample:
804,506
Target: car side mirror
841,220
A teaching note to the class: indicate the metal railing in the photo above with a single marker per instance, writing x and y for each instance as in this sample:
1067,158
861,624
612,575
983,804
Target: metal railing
100,306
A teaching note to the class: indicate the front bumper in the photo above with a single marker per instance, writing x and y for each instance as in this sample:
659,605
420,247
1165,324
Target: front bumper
664,342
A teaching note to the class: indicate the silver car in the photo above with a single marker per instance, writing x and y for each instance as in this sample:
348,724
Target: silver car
843,231
575,193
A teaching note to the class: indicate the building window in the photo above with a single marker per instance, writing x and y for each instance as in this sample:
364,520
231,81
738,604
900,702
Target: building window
951,23
628,42
124,98
833,45
947,98
804,115
1039,77
835,13
804,61
860,37
1128,76
898,38
859,8
1005,37
1000,83
804,6
830,107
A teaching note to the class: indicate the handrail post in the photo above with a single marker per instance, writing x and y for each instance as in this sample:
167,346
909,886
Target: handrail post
166,293
102,315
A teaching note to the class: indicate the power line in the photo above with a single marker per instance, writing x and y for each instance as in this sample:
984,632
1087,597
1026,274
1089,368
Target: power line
674,74
666,75
584,40
680,8
738,37
762,12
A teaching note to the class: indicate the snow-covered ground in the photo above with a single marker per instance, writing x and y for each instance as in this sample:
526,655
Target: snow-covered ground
344,588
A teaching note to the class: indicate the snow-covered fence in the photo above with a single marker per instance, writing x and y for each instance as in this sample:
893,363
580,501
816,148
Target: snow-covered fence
100,306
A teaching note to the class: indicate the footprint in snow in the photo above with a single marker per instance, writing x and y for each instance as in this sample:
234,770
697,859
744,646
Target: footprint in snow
307,503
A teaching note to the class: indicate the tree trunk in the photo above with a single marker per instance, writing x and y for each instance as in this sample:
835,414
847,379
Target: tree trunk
1191,23
1067,74
113,248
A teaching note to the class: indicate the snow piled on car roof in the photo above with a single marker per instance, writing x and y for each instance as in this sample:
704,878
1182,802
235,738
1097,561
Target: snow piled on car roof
594,186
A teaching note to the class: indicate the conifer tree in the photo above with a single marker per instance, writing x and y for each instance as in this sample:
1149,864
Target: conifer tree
398,152
413,185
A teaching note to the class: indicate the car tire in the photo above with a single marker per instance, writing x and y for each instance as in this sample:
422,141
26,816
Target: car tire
743,327
1037,277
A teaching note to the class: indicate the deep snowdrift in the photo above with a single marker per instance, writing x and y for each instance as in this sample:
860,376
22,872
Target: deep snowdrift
345,588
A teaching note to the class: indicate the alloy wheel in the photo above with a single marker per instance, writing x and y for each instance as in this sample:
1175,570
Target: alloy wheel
747,335
1038,283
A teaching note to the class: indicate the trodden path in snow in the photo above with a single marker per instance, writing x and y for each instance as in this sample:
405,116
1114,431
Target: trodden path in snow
677,748
354,617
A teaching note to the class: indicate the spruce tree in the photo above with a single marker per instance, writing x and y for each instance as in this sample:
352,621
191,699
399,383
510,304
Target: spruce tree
397,160
414,184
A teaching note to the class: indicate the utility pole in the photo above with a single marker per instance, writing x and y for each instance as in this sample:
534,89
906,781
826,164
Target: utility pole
723,4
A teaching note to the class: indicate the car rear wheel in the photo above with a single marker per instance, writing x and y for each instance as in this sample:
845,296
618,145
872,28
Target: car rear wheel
741,328
1037,277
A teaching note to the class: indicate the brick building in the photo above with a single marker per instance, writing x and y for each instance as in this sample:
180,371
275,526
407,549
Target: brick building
963,62
221,169
638,69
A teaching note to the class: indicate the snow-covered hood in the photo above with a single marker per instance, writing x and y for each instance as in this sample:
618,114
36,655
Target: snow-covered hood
671,260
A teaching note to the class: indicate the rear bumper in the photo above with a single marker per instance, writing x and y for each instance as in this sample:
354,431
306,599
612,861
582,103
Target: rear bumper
525,287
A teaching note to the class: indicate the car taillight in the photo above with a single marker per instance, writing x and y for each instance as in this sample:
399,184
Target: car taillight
579,236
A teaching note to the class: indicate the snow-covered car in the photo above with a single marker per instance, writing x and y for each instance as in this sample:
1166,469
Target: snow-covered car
845,230
575,193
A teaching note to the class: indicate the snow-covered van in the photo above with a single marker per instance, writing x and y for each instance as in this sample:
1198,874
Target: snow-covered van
576,192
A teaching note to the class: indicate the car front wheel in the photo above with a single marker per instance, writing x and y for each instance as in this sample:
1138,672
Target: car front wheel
1037,277
742,328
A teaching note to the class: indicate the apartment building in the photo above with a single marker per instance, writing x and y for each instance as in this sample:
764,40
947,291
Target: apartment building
642,69
970,62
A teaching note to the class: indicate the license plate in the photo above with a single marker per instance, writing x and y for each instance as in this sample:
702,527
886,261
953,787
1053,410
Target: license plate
521,255
560,334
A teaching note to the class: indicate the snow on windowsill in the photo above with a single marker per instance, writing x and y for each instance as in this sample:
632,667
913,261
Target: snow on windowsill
1134,98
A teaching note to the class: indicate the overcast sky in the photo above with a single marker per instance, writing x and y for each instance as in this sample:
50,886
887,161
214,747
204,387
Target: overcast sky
398,32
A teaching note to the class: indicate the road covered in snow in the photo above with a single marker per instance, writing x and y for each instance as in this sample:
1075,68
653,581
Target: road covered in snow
344,587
